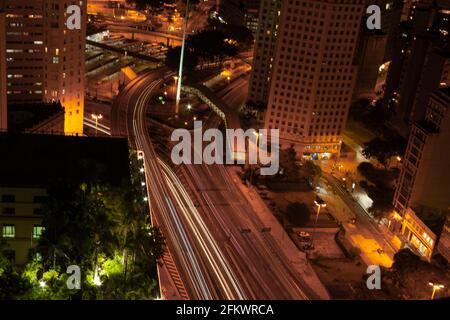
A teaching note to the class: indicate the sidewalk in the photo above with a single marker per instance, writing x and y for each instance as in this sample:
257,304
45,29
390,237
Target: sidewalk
296,257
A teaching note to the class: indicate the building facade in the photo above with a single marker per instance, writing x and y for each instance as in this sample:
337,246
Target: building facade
45,60
420,63
20,219
3,104
416,235
444,239
264,51
423,183
313,74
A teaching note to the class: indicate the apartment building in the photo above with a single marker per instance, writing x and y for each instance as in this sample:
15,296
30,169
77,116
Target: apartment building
21,219
45,60
313,74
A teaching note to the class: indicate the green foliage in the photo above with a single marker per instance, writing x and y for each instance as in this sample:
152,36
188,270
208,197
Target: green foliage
380,189
311,171
211,45
12,286
382,148
173,59
298,214
372,115
97,228
289,169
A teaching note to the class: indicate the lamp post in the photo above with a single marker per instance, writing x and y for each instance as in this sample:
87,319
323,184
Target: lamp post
175,78
257,135
399,159
319,203
180,70
436,287
96,117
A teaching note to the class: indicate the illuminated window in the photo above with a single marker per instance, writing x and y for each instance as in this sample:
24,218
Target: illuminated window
9,231
37,231
55,60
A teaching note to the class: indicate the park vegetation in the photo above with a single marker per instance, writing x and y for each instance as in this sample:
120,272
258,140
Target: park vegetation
105,231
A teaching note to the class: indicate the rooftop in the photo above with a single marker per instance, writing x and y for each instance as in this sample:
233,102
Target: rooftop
25,116
40,160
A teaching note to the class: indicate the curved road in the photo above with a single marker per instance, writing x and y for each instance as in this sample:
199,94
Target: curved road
230,262
200,263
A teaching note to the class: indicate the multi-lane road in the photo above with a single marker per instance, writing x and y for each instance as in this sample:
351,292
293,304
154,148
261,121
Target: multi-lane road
216,244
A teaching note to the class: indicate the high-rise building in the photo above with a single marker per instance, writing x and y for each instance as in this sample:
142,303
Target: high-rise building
45,60
313,74
422,194
424,179
3,106
264,51
375,47
420,64
372,46
251,15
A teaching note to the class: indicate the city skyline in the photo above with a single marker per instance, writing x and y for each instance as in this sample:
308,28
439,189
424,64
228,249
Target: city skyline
259,150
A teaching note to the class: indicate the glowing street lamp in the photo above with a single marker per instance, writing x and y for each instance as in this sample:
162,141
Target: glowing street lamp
436,287
180,69
96,279
175,78
319,203
96,117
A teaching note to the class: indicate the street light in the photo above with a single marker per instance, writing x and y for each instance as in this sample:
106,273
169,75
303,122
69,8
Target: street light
319,203
180,69
257,135
175,78
96,117
436,287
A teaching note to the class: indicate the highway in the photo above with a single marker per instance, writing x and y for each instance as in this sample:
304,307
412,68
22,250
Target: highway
213,234
200,263
265,271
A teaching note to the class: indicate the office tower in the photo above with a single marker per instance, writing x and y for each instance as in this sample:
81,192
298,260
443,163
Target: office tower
264,51
313,74
3,106
424,179
45,60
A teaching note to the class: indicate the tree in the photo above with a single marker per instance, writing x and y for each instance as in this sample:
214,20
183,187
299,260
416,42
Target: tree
298,214
289,169
173,59
311,171
383,148
212,45
12,286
